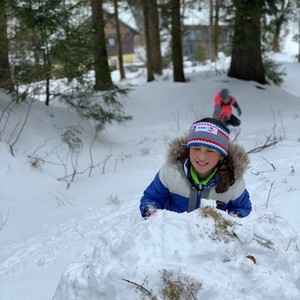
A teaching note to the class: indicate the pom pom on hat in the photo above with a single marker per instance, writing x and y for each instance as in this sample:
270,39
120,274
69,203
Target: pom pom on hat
210,135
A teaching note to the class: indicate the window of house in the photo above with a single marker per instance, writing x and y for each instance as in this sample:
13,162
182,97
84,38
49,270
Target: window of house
111,41
113,63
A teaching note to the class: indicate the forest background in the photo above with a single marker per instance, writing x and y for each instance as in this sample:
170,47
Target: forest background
42,41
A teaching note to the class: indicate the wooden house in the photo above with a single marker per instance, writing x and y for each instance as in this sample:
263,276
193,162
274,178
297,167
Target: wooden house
129,35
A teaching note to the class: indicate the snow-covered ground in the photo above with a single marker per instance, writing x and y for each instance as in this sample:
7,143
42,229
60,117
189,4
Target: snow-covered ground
85,239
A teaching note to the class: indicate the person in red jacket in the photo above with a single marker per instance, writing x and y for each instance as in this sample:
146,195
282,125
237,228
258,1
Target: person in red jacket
223,108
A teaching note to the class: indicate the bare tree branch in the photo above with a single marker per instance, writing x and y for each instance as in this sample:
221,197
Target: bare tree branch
269,163
139,286
22,128
267,203
267,144
3,221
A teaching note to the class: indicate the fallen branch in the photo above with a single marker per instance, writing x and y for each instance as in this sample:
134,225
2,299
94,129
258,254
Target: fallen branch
75,172
264,242
269,194
4,220
236,135
269,163
11,146
267,144
139,287
288,246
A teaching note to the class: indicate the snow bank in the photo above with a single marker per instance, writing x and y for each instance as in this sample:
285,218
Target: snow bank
226,263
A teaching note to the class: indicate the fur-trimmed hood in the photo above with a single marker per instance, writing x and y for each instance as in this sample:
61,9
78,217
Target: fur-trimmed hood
178,151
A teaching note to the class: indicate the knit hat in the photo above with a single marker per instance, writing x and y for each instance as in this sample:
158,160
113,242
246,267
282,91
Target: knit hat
225,94
210,135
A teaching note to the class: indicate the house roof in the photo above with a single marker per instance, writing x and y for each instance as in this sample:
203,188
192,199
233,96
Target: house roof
125,15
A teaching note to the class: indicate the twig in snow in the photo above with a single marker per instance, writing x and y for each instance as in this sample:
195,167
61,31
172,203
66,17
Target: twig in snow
269,163
266,243
269,194
80,234
11,146
236,135
177,119
288,246
60,200
3,221
140,287
267,144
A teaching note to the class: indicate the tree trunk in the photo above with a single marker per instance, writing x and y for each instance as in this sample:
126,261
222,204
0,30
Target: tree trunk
47,68
299,34
211,31
280,17
275,42
6,81
246,60
120,52
178,74
102,72
216,29
154,37
150,76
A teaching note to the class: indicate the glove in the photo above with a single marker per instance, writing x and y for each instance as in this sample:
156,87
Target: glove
224,118
235,214
150,211
239,111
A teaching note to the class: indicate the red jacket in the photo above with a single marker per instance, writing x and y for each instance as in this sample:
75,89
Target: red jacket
221,110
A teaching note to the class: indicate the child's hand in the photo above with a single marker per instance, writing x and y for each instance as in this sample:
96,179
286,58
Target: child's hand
150,211
233,214
153,213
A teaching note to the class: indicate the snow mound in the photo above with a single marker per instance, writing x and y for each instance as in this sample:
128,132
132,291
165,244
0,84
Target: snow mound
194,249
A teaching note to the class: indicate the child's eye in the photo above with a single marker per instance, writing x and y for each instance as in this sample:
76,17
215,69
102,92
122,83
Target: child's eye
211,151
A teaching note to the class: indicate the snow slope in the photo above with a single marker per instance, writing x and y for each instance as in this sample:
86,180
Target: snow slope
85,239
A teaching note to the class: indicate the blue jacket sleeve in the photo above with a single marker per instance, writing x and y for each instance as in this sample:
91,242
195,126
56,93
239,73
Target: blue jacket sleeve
242,204
155,194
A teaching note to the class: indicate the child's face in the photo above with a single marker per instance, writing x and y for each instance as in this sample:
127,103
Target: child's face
204,160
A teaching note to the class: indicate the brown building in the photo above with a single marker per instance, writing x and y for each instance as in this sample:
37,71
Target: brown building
128,40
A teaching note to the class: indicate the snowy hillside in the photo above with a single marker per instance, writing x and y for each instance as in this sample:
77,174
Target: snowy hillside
85,239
